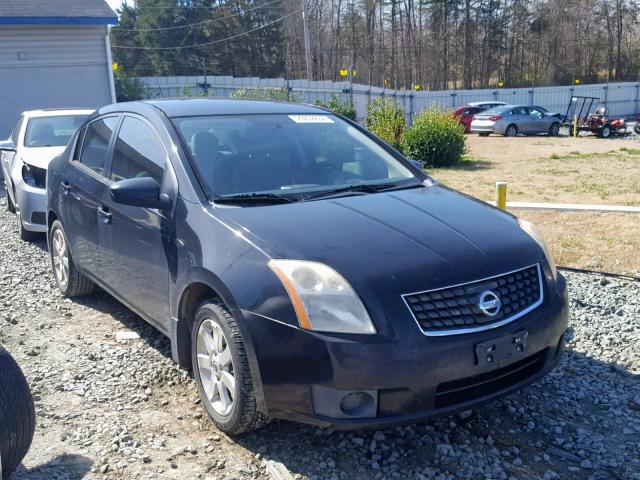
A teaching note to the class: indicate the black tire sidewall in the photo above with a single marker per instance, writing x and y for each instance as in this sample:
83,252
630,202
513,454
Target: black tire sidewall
554,130
215,313
605,128
17,428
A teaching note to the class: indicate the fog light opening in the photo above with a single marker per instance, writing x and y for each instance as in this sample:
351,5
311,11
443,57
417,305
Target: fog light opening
356,403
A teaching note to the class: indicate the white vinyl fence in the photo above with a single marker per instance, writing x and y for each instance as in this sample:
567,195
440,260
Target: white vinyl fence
622,99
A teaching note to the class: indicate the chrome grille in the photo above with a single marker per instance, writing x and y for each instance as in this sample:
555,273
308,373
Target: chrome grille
457,309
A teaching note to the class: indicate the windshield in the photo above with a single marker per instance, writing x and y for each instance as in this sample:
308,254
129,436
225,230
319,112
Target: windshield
288,155
52,131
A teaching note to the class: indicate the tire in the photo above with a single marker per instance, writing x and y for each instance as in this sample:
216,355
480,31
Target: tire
70,281
484,134
25,235
10,206
511,131
554,129
636,127
605,131
211,366
17,414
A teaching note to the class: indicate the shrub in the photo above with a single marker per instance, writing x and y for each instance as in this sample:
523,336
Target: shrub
129,89
386,120
344,108
264,94
436,139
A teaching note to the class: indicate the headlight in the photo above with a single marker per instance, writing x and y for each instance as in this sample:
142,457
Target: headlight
534,233
27,176
322,299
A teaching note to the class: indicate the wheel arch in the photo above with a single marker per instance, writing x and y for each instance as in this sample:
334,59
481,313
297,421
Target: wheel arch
198,287
509,126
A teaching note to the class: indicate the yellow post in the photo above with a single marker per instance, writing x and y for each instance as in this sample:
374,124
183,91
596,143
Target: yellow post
501,195
575,125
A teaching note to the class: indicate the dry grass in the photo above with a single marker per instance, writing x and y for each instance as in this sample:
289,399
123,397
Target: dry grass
564,170
608,242
541,169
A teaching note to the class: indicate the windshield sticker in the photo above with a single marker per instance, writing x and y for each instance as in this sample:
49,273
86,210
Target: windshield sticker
311,118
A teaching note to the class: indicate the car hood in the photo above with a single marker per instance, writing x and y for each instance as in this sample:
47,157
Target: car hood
41,156
395,242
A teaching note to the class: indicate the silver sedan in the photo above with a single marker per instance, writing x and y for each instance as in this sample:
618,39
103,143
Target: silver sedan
511,120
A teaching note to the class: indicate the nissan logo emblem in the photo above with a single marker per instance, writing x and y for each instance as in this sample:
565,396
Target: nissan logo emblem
489,303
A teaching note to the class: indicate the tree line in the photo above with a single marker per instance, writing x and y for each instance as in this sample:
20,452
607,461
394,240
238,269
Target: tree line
420,44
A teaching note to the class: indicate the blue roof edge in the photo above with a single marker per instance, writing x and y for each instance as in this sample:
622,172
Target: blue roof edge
58,20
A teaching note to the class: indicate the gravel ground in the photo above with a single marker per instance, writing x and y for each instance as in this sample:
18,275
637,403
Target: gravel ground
113,407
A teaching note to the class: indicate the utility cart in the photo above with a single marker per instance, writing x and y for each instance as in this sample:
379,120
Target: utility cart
599,122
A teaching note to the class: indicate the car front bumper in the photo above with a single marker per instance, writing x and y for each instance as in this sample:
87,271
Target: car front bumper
305,376
32,204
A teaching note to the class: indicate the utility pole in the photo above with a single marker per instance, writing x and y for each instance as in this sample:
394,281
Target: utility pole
307,46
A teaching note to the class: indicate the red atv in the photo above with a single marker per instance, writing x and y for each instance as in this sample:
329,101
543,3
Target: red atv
603,126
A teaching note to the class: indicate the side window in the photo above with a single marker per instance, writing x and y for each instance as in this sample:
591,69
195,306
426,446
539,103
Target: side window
138,152
535,113
16,131
76,151
95,146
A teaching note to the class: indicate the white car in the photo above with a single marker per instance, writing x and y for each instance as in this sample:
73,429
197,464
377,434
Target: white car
37,138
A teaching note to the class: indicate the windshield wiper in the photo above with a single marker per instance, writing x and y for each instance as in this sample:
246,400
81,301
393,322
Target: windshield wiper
254,198
362,188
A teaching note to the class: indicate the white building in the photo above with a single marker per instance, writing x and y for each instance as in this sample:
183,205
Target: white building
53,54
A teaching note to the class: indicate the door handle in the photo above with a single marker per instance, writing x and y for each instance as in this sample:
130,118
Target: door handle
105,214
66,188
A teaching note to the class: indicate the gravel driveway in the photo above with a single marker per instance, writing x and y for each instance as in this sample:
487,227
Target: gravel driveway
112,405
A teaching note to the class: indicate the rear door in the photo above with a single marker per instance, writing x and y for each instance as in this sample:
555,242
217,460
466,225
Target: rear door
83,186
136,239
519,116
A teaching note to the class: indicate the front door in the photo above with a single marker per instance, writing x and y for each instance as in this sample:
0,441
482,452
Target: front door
537,121
83,186
135,239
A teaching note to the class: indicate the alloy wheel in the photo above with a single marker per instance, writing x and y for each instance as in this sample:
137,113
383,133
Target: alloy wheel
215,366
60,258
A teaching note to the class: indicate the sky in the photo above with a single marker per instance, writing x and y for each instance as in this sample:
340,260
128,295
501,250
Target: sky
114,4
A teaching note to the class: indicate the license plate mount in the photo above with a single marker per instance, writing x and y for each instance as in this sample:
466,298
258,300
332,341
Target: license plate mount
502,351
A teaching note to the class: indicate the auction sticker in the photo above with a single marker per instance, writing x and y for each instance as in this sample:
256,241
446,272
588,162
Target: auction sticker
311,118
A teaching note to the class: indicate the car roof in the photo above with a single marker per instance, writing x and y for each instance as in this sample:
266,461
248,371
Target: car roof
56,112
187,107
485,102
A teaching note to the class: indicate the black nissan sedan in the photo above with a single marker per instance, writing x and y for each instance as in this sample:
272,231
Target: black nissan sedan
301,267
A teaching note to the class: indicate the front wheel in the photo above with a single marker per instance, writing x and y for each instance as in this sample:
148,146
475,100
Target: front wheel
554,129
25,235
511,131
605,131
70,281
221,370
10,206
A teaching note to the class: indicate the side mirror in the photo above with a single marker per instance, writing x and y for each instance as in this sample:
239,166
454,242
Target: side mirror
416,164
7,146
139,192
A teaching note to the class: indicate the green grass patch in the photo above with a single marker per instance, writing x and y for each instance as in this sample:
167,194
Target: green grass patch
630,151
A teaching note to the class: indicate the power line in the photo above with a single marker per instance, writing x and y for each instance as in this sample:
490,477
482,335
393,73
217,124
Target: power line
212,42
118,29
